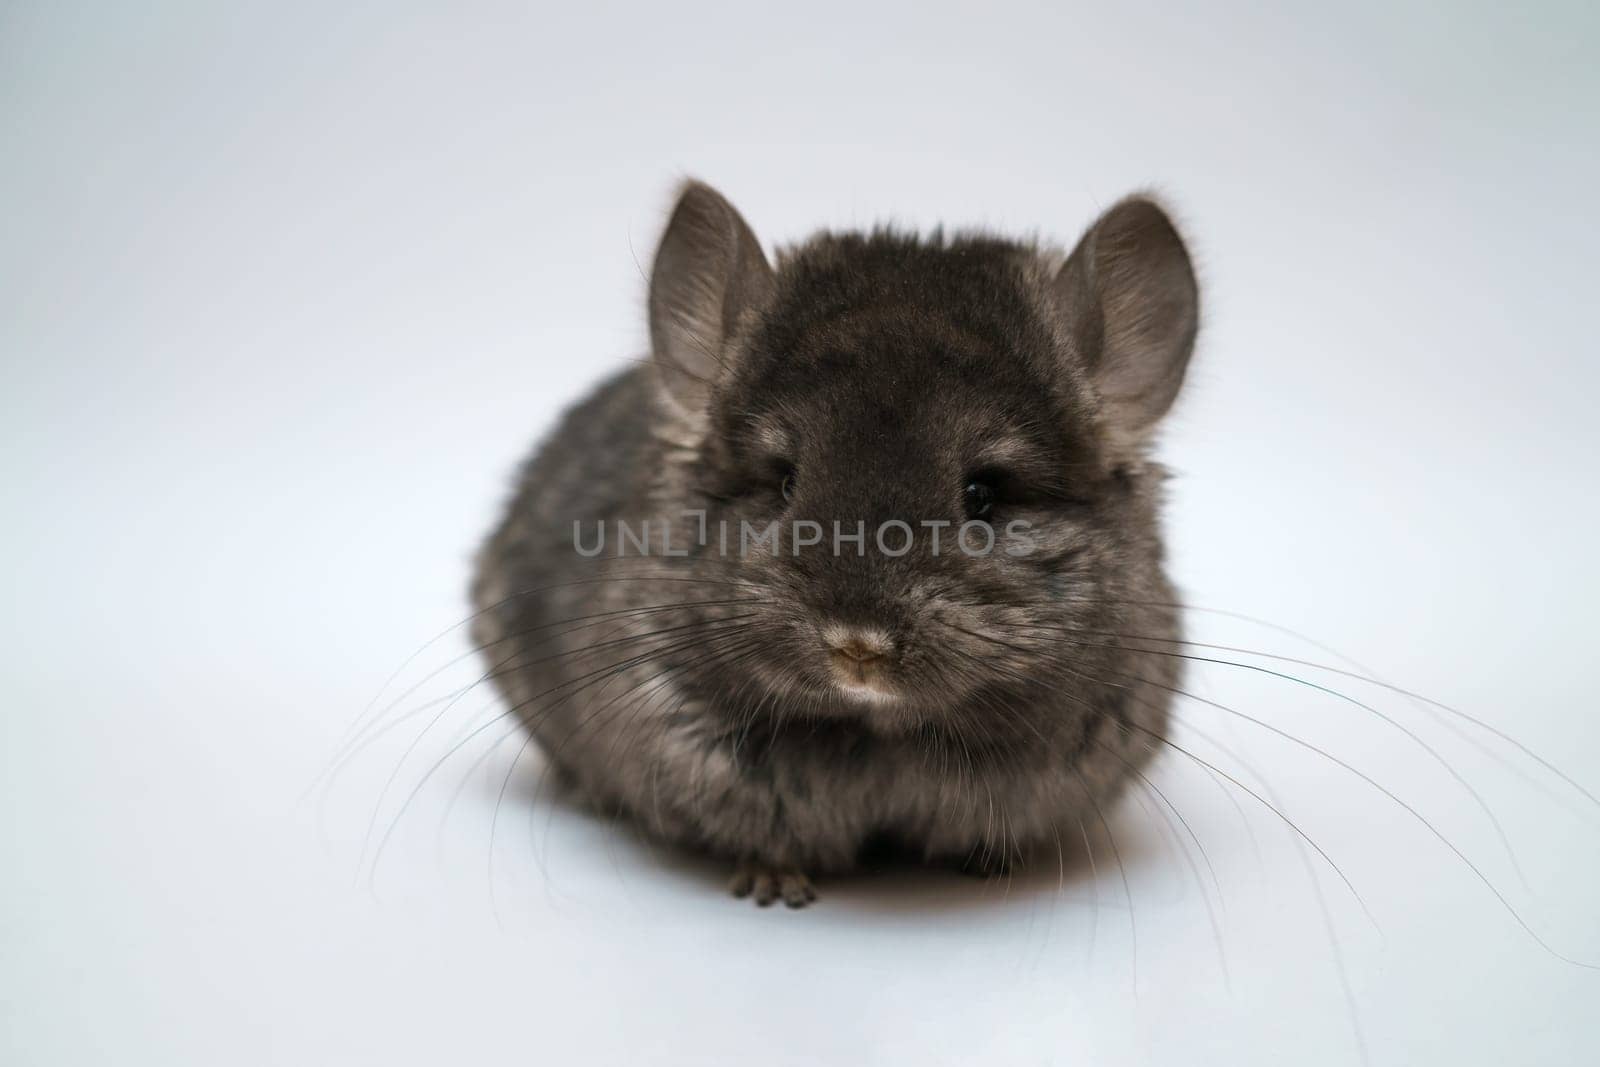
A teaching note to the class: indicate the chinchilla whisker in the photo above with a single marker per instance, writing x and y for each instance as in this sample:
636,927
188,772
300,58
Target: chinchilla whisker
523,723
472,768
1216,882
1477,872
382,725
660,677
990,638
1122,873
1014,720
1175,840
506,665
1290,823
1094,883
1238,809
520,727
1368,674
732,654
362,743
356,727
1217,770
1449,768
1183,851
487,608
1260,779
591,621
999,670
636,694
586,678
494,823
1361,673
1329,930
516,710
528,712
514,663
394,774
1353,675
603,675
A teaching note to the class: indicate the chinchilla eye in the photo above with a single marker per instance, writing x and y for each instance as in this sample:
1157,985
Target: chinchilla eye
978,499
786,486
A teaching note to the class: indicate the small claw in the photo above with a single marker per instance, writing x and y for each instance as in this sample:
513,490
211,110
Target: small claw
767,885
797,890
766,889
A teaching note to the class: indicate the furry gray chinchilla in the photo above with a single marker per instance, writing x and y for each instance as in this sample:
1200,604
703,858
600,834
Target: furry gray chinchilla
809,652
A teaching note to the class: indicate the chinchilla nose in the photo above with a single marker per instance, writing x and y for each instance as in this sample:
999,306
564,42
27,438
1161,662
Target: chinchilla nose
860,644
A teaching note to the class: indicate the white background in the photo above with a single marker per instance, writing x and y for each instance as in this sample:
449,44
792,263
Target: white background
284,293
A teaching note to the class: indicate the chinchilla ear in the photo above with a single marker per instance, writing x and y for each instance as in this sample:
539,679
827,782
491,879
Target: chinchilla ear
1133,306
708,271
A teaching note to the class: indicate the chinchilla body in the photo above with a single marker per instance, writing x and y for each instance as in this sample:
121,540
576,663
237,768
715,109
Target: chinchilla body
863,554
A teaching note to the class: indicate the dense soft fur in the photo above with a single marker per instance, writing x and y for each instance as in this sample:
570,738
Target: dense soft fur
865,378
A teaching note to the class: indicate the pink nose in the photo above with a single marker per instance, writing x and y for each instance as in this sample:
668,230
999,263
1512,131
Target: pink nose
857,644
858,650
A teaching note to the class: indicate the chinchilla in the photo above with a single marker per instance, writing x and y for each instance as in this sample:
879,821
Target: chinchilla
836,565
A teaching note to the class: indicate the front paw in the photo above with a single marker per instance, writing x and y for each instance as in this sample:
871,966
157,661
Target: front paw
767,883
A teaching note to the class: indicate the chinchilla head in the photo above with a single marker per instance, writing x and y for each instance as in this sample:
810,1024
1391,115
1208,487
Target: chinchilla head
925,456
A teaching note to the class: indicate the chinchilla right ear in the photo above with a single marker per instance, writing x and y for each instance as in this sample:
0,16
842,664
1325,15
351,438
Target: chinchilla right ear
708,272
1131,300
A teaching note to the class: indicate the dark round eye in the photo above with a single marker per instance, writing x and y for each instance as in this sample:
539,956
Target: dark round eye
786,486
978,499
